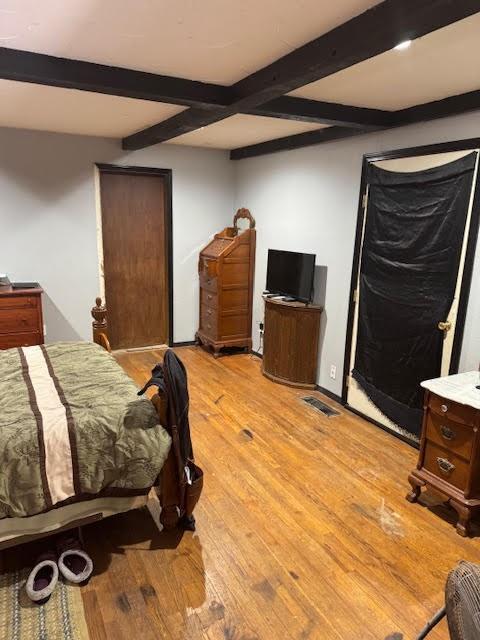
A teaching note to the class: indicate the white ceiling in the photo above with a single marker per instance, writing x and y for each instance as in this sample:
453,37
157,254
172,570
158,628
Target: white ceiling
242,130
217,41
29,106
442,63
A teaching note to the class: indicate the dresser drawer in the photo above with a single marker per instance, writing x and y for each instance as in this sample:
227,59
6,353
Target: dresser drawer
453,410
18,320
235,299
208,282
208,321
207,267
11,340
208,314
451,435
234,326
208,298
18,302
446,465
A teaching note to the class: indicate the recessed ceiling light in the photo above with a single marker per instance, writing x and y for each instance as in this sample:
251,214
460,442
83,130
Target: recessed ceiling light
403,45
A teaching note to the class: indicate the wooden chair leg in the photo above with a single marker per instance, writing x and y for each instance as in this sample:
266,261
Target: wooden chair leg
168,493
169,517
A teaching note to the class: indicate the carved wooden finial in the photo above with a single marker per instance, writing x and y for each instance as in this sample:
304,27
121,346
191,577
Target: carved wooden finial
244,213
99,314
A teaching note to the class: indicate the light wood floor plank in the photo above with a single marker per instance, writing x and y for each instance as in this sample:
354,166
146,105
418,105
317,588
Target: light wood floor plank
303,530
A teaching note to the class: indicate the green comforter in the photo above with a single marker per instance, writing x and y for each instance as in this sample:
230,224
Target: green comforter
72,427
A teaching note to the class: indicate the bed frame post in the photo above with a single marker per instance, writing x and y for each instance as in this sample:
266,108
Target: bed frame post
99,325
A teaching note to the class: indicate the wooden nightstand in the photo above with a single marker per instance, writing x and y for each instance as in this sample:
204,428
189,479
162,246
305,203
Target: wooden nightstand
449,459
21,319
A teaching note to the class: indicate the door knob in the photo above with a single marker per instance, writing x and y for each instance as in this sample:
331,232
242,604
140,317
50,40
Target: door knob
445,326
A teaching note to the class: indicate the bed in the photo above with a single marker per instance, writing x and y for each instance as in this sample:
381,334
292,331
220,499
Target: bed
77,444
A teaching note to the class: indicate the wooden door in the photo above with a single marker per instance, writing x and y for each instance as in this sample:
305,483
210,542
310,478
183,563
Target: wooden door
135,260
371,400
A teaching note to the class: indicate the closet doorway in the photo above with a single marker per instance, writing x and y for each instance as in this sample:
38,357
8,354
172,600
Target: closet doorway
135,240
416,237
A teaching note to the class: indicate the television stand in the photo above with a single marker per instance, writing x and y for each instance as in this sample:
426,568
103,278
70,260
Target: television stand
290,347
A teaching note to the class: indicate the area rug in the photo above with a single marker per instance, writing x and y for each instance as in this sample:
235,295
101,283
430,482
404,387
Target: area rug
61,618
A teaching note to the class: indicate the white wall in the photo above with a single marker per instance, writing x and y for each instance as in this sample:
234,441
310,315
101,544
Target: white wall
303,200
48,219
306,200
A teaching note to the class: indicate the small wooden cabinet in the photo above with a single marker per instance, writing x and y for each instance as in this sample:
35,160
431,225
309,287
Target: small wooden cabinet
449,459
290,349
226,267
21,319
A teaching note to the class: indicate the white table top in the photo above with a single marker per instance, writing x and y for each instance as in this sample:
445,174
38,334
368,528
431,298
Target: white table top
460,387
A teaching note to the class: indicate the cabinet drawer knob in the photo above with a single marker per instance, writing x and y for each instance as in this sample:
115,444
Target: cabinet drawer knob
209,312
447,433
209,297
444,408
445,465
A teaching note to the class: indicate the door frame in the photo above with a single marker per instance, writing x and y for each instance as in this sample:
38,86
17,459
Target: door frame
444,147
166,174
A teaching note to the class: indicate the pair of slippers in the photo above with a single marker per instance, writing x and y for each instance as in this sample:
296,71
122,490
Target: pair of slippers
69,558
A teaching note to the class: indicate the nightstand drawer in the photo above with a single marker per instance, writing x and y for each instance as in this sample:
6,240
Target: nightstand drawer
18,302
18,320
446,465
452,410
451,435
11,340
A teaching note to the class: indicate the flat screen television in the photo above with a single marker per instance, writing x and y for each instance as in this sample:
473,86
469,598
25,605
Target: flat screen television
291,274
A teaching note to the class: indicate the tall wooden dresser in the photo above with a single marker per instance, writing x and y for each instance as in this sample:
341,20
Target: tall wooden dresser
21,318
449,459
226,268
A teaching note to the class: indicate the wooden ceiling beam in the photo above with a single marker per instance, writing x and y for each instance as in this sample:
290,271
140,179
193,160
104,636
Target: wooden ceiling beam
450,106
297,141
367,35
37,68
26,66
329,113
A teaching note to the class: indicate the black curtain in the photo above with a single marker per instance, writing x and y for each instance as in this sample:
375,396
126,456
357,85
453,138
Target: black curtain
408,273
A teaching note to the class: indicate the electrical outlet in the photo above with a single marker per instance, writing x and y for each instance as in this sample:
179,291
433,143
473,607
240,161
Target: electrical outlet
333,371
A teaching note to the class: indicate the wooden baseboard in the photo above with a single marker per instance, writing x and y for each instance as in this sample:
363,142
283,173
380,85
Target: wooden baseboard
329,394
186,343
392,432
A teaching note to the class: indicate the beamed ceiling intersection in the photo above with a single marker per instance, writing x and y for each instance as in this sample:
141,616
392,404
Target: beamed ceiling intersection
262,93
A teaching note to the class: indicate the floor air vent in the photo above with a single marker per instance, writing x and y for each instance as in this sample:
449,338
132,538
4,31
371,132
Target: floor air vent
320,406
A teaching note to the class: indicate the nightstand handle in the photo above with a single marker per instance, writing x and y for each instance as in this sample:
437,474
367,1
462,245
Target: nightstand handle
447,433
444,408
445,465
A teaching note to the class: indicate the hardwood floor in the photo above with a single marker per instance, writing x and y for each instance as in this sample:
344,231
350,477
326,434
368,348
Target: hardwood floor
303,530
